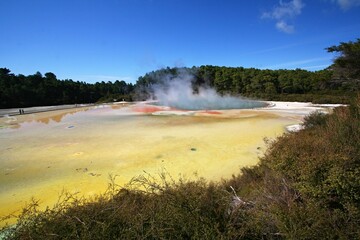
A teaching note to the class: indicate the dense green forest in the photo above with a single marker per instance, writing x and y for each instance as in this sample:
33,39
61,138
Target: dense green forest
39,90
300,85
336,84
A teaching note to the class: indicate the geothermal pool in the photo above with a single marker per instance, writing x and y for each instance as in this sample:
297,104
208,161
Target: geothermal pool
76,149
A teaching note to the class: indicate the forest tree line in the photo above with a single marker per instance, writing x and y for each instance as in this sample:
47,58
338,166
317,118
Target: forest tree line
335,84
44,90
41,90
252,82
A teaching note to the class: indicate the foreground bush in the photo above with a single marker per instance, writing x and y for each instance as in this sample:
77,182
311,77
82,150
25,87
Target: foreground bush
146,208
307,186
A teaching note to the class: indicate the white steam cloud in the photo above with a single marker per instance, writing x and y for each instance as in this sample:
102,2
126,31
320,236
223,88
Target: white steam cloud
178,92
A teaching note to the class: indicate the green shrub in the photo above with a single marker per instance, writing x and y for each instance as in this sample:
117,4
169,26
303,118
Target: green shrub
315,119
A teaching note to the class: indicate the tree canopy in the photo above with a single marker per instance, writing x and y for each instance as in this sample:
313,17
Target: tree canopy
332,85
347,65
291,85
42,90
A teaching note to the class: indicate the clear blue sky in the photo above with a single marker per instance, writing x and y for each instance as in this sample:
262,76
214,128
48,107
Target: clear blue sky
105,40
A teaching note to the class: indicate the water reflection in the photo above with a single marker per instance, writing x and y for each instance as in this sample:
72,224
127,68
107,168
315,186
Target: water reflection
58,117
42,118
119,105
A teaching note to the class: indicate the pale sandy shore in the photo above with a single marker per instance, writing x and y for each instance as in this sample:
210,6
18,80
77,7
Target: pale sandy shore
292,110
30,110
297,110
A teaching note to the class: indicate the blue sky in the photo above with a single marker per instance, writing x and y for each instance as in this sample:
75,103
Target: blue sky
105,40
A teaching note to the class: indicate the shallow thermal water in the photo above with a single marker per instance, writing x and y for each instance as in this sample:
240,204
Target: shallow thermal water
76,150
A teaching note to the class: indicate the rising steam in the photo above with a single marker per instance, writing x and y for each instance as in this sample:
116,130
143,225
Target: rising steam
178,92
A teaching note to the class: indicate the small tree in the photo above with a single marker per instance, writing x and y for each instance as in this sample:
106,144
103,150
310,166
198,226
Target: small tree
346,66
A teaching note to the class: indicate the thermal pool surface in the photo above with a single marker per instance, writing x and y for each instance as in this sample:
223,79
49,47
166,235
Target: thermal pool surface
75,150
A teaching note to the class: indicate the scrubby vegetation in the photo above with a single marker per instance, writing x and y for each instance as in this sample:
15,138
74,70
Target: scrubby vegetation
307,186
